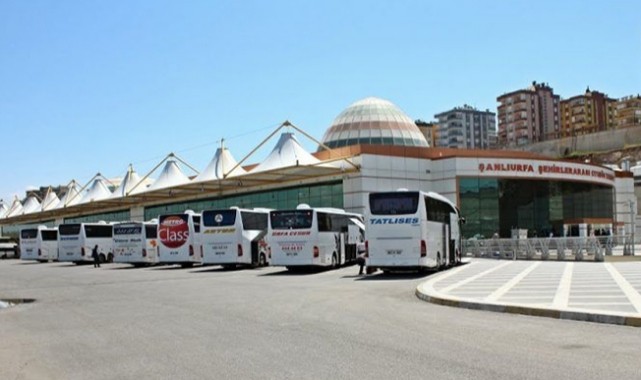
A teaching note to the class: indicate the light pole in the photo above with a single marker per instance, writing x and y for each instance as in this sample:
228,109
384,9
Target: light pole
632,226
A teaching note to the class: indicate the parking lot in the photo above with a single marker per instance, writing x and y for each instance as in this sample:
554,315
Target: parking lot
168,322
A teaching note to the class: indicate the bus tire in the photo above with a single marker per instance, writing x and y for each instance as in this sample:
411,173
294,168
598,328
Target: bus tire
110,258
101,258
334,261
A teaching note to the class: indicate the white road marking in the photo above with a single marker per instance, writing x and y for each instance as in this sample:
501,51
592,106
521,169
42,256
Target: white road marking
563,291
498,293
633,296
470,279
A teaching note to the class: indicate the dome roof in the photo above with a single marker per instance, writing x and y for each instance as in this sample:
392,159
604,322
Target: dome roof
373,121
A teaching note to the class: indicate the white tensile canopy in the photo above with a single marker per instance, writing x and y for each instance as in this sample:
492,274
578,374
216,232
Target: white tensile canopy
31,205
170,176
71,197
3,210
50,202
287,152
220,166
98,190
15,209
131,180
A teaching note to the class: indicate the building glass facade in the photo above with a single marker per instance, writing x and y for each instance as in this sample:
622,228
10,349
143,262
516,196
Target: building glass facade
492,205
317,195
116,216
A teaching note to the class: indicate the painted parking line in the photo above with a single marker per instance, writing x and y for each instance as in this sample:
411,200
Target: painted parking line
563,291
498,293
633,296
470,279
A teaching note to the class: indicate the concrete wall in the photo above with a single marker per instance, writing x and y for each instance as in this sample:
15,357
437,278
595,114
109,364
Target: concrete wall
597,142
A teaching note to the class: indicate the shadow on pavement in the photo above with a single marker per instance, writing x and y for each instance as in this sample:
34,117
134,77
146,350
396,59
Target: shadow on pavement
68,265
174,267
129,267
393,276
296,272
214,269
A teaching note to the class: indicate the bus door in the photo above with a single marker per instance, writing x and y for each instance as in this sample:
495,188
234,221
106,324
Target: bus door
445,243
354,236
340,250
256,245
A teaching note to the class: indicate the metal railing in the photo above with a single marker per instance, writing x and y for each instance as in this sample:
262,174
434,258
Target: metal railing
593,248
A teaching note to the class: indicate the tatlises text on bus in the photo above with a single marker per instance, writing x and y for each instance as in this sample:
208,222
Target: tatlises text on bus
393,221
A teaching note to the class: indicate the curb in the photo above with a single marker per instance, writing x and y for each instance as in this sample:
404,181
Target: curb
528,310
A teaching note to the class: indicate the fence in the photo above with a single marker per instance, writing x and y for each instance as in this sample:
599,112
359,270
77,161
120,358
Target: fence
561,248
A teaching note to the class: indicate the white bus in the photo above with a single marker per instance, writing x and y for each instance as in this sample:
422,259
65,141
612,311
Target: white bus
307,236
412,230
77,240
234,236
179,238
136,243
39,243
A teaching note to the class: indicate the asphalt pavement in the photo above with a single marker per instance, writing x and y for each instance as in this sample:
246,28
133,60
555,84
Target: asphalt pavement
607,292
118,322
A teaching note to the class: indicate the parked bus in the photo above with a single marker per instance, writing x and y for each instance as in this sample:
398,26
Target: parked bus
412,230
77,240
179,238
326,237
39,243
136,243
235,236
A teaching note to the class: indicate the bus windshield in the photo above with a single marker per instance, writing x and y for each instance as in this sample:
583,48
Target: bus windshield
284,220
69,229
151,230
98,231
219,218
128,229
49,235
397,203
30,233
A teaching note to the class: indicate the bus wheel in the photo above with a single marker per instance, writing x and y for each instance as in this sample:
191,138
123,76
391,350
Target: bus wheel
101,257
334,261
261,260
110,258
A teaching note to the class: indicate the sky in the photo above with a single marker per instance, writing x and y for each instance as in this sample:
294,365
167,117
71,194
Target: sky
93,86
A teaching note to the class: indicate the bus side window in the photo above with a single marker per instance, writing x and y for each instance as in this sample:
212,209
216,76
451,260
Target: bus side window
196,220
254,220
324,222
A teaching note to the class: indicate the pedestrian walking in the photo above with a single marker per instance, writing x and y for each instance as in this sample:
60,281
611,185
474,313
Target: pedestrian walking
360,259
95,256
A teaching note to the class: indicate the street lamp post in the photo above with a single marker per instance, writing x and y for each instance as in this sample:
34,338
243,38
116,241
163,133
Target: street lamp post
632,226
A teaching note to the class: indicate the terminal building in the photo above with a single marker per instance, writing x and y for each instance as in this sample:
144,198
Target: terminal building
371,146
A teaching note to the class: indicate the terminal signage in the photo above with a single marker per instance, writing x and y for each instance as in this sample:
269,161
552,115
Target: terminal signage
563,169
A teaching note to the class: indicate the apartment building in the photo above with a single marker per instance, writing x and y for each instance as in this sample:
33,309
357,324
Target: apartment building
628,112
428,130
590,112
528,115
465,128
